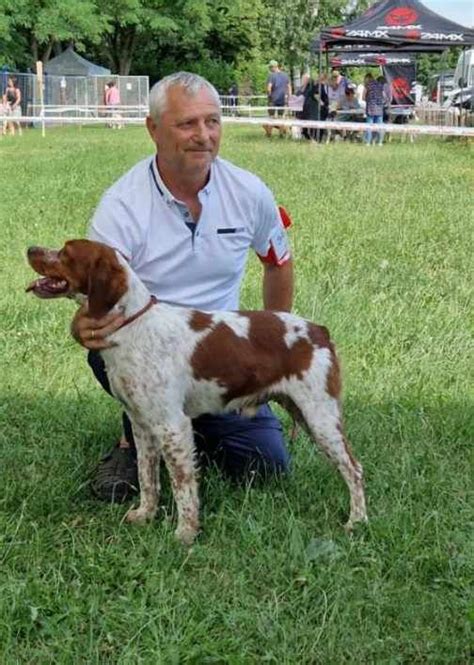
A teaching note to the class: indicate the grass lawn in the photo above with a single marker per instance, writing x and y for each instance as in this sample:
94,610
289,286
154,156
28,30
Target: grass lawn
383,247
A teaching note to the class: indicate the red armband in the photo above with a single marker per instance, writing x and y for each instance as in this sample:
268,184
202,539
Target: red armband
285,217
279,252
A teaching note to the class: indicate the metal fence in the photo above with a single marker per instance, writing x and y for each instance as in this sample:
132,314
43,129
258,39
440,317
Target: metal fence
434,114
80,99
81,96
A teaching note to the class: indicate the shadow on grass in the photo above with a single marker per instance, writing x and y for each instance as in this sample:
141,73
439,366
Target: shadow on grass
50,448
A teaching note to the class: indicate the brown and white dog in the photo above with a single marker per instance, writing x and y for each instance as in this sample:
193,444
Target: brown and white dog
171,364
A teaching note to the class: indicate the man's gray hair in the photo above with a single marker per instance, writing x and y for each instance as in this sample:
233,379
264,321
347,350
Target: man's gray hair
191,83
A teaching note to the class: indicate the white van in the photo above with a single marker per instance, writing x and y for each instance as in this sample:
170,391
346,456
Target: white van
462,95
464,72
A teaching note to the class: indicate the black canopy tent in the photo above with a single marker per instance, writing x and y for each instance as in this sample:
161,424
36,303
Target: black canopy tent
372,47
368,59
393,25
399,70
397,24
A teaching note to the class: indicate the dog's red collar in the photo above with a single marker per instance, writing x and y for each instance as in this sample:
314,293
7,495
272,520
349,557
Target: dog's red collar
141,311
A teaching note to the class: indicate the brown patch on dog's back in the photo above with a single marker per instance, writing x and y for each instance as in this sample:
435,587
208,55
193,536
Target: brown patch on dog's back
245,366
319,335
200,321
333,378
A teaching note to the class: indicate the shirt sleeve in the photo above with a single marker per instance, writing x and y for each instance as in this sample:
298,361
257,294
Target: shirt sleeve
270,237
113,224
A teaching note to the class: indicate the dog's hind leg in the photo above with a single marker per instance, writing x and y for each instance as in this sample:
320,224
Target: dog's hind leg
178,453
148,461
323,422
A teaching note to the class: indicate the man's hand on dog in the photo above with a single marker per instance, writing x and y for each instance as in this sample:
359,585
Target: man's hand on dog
92,333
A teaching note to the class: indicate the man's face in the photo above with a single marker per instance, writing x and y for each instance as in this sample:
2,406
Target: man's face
188,133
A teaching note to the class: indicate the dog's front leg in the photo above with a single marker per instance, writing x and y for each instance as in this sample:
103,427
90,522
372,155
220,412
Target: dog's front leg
148,460
177,447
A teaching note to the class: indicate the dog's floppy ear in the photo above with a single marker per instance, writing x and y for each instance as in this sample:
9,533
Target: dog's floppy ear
107,284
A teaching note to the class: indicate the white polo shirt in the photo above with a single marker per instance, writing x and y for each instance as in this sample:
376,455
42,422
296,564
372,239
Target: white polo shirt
202,269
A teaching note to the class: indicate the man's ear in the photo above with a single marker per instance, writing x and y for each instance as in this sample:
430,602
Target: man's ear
107,284
151,127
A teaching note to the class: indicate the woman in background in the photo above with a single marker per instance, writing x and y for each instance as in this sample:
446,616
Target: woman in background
12,104
112,99
315,103
374,98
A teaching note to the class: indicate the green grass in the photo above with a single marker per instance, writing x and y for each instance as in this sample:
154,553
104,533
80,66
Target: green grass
383,247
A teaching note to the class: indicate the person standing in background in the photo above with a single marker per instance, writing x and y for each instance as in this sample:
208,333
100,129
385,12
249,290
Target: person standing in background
336,90
278,92
112,99
374,99
387,97
233,94
313,107
12,104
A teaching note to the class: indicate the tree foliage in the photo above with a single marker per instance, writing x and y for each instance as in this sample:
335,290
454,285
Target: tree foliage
31,29
129,25
288,28
225,40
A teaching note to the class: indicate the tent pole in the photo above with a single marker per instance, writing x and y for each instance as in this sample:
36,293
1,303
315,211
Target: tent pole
463,64
443,66
320,59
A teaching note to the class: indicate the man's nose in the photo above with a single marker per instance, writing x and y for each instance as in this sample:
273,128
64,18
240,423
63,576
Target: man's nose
202,132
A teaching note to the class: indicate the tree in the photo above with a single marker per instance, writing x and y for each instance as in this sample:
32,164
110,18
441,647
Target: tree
143,26
34,27
233,33
211,38
427,64
288,28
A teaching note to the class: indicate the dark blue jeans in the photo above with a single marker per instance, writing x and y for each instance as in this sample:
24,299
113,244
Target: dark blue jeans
239,446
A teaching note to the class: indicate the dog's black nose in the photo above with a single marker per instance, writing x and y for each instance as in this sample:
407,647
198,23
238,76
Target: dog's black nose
33,250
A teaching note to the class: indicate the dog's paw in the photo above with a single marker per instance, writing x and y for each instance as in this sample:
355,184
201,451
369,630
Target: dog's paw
354,522
139,516
186,535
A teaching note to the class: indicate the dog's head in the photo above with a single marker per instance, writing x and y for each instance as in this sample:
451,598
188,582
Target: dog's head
81,267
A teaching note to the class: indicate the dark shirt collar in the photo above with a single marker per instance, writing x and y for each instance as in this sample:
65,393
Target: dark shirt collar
163,189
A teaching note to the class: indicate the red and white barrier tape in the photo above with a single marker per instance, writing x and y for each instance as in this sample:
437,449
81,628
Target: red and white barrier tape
362,126
432,130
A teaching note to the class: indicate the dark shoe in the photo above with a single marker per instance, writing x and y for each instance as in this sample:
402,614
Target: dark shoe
116,478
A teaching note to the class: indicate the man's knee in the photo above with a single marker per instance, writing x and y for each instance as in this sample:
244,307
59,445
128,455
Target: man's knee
264,459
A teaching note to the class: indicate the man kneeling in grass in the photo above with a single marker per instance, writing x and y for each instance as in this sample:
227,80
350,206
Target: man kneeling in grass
185,220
